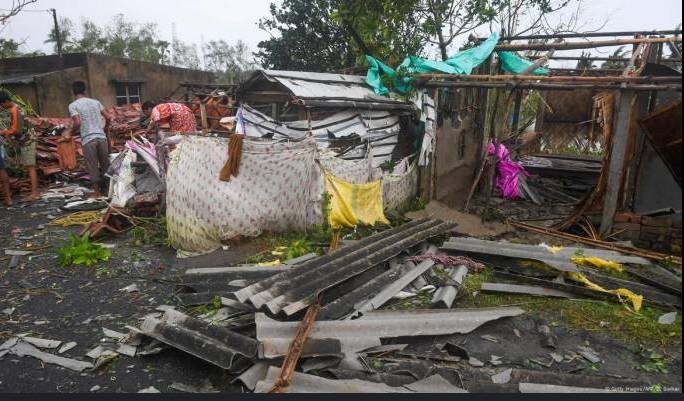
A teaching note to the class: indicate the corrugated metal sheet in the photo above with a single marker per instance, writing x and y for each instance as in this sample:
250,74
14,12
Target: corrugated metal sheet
377,128
221,347
312,85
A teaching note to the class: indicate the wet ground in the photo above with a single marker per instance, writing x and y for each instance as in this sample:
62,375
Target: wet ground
75,303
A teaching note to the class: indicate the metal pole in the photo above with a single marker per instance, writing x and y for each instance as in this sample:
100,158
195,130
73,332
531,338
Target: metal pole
58,34
620,140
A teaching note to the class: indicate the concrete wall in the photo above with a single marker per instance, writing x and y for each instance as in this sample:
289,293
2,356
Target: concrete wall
159,81
41,64
54,91
50,94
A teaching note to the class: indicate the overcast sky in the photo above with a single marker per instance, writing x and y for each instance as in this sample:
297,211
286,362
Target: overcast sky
232,20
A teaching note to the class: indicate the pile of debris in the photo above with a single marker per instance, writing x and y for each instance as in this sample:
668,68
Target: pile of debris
63,159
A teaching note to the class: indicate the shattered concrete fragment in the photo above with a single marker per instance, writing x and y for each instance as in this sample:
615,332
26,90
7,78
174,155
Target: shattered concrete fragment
25,349
113,334
127,350
502,377
475,362
205,388
95,388
150,389
590,356
8,311
41,342
131,288
66,347
100,351
556,357
668,318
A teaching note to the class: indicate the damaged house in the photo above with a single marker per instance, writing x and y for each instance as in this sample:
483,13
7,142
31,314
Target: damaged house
45,81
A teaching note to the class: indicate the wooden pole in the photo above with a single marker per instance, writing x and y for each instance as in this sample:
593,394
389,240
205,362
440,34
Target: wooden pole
549,79
584,45
617,161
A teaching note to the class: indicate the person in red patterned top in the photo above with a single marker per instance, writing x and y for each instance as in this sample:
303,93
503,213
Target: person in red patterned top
179,117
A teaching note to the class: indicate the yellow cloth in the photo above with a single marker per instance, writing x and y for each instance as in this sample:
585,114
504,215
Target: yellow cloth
354,204
620,292
597,262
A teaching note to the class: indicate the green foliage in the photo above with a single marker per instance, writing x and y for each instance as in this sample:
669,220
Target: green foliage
81,251
150,232
304,38
388,166
614,62
9,48
293,249
655,362
416,204
231,63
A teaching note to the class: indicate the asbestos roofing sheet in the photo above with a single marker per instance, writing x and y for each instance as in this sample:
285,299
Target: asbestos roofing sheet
219,346
304,383
524,289
537,251
381,324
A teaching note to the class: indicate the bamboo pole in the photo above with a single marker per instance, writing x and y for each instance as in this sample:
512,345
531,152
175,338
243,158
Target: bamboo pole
588,35
545,86
597,243
584,45
544,78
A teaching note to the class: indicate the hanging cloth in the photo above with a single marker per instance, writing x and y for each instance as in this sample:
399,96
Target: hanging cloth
354,204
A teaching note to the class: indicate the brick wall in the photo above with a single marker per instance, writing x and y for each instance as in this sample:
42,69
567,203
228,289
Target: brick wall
656,233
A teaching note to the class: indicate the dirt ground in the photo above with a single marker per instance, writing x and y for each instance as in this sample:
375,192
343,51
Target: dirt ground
74,304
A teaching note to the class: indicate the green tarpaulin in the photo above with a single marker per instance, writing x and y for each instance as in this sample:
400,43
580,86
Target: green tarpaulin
462,63
514,64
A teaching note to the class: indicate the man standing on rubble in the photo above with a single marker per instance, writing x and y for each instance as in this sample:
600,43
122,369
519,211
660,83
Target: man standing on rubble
86,115
179,116
19,134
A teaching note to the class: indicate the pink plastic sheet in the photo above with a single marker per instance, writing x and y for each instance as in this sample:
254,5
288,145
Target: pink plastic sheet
507,171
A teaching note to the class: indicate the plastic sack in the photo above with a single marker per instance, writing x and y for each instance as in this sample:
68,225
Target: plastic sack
354,204
514,64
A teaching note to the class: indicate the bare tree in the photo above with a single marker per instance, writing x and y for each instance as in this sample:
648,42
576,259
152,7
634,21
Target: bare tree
445,20
15,8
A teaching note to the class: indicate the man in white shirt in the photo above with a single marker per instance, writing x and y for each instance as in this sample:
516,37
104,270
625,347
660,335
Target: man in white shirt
86,115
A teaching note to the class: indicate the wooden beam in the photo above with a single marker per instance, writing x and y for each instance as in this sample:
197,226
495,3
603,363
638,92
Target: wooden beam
617,160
